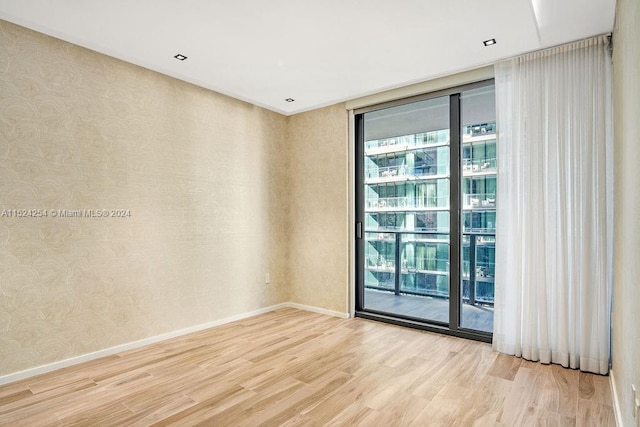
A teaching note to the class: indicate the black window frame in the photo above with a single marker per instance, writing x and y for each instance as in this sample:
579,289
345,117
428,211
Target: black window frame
455,220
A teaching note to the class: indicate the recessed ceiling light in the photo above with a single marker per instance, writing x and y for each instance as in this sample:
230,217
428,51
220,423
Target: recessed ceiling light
489,42
289,99
180,57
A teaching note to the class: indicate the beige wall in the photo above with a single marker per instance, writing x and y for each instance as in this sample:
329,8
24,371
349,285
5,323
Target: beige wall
319,237
202,175
626,289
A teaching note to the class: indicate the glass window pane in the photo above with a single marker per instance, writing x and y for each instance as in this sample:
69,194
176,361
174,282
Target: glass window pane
407,197
478,187
406,184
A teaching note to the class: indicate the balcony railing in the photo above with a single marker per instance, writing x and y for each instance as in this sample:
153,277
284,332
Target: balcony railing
438,137
404,171
408,141
388,202
405,140
480,129
430,275
478,275
479,201
483,270
432,265
388,171
405,202
478,165
380,263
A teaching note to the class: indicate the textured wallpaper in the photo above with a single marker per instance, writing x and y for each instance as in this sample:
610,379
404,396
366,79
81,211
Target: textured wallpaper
132,204
626,268
319,237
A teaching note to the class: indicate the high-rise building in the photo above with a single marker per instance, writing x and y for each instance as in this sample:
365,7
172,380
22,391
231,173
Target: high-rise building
478,213
407,211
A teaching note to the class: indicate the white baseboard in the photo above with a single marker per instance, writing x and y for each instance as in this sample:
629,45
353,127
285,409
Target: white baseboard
32,372
614,398
317,310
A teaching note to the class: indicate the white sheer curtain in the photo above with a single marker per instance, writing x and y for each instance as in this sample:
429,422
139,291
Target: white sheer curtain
552,297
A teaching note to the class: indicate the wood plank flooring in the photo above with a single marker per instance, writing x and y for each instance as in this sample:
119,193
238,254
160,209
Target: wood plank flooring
295,368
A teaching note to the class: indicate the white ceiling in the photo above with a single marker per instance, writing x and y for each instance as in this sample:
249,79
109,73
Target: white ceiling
318,52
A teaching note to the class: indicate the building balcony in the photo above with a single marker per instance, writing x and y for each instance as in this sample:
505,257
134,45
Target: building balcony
436,138
429,276
479,201
405,203
485,166
437,266
483,270
406,142
384,300
379,263
485,130
431,237
404,173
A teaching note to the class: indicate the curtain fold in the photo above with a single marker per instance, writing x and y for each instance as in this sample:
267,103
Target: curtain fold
553,241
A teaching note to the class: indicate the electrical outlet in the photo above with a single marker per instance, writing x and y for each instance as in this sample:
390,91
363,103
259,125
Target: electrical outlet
267,278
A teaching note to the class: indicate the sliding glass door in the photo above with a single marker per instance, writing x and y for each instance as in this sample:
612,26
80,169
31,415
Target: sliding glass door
415,235
478,178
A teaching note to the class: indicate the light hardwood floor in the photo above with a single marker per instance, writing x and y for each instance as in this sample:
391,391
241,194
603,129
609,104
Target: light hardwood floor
291,367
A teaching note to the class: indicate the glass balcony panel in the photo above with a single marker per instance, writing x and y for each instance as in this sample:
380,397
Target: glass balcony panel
479,201
413,165
476,130
380,256
387,171
423,200
486,164
423,277
391,203
400,143
425,265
